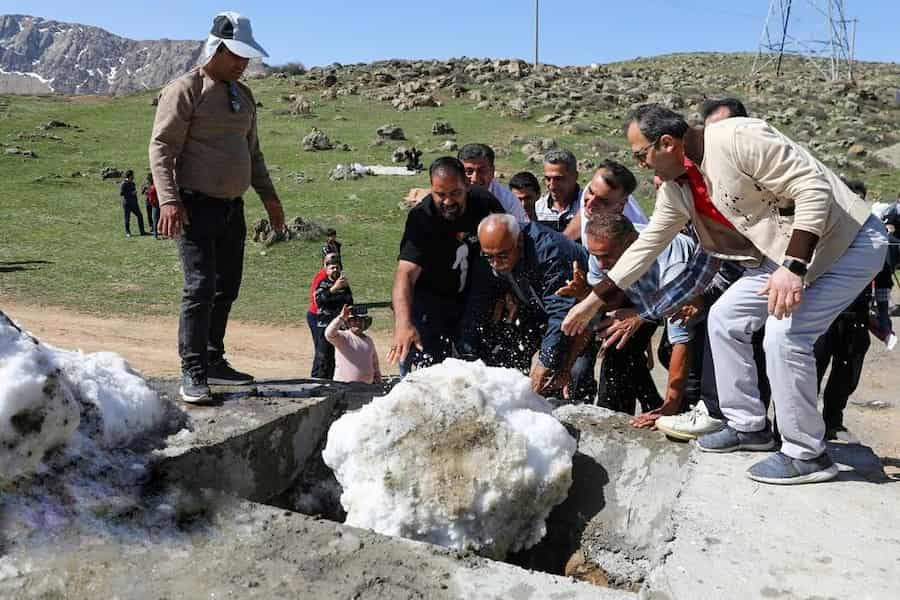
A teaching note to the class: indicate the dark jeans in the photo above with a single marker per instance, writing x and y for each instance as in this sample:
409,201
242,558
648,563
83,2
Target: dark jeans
437,320
128,207
708,392
692,387
625,377
150,219
154,214
844,345
211,249
318,336
323,363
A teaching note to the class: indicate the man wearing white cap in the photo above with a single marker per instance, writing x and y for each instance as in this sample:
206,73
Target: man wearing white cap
204,154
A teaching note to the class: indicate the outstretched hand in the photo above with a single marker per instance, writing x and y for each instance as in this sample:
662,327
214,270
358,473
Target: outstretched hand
577,287
346,312
619,327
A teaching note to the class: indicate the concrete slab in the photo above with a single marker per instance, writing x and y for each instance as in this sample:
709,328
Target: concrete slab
253,551
254,440
736,538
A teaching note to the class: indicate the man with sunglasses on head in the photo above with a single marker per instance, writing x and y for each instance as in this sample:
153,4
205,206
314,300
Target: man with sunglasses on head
561,203
530,263
809,244
204,154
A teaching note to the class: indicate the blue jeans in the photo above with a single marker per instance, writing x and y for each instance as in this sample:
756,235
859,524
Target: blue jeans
129,207
788,343
211,249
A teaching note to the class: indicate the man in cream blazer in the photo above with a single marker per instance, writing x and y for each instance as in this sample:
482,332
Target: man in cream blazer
809,246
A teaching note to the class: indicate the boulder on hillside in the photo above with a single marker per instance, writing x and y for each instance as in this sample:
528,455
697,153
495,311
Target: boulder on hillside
442,127
316,140
391,132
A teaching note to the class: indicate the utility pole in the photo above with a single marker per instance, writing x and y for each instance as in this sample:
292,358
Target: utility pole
536,27
828,55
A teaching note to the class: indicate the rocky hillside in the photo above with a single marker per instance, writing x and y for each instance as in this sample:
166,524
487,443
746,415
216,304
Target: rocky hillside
850,125
38,56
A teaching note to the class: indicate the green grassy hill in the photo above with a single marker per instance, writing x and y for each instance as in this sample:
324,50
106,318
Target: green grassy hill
61,234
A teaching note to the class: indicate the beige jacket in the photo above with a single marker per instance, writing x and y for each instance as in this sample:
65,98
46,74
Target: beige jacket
766,185
201,144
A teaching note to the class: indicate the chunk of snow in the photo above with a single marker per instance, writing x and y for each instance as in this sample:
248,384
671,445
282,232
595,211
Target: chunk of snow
458,454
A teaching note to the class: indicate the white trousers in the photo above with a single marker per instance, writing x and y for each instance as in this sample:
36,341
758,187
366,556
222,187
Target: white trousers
788,343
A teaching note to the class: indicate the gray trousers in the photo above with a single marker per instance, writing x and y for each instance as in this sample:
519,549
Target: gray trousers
788,343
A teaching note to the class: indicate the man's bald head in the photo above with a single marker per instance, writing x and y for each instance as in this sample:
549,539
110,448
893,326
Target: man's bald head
499,235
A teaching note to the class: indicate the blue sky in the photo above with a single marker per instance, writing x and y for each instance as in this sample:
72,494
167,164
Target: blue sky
572,32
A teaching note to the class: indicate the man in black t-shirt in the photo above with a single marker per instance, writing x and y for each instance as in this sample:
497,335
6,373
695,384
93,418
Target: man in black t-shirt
436,254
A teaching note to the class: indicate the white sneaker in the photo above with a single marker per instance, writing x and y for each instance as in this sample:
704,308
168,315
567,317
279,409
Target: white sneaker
689,425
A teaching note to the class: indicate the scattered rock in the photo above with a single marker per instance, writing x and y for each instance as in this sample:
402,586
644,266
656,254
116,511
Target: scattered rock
110,173
399,155
301,106
347,172
390,132
442,127
856,150
450,146
316,140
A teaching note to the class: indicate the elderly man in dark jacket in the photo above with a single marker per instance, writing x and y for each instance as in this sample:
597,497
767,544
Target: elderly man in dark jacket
528,264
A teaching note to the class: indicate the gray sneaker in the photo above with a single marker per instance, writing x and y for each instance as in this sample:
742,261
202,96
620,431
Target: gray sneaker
728,439
781,469
194,389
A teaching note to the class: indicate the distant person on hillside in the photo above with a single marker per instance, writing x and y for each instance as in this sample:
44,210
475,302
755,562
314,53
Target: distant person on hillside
526,187
312,318
130,203
204,154
355,357
153,203
145,192
331,245
332,294
478,161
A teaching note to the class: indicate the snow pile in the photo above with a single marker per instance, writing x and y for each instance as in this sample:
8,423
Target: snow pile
458,454
76,434
47,395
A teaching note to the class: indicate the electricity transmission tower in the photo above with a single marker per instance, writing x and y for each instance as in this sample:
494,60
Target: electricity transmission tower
831,51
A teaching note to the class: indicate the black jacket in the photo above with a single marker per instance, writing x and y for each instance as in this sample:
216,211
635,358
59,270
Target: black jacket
330,303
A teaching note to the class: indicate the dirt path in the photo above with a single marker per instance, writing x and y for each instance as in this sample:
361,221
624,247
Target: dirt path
149,343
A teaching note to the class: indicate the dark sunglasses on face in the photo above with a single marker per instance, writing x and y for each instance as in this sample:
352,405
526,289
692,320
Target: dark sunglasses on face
640,156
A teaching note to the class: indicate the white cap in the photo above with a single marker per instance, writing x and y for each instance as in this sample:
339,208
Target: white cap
233,30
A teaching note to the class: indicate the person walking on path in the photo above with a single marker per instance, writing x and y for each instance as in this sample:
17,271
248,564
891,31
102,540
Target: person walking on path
204,155
128,192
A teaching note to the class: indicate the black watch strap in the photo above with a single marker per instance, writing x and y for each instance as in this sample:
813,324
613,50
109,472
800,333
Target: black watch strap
797,267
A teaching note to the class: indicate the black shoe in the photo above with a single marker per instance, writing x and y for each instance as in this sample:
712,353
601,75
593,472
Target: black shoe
194,389
221,373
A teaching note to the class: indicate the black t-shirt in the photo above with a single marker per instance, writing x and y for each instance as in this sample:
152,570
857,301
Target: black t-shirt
444,249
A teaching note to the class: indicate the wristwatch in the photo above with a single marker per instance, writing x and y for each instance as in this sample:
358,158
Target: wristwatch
795,266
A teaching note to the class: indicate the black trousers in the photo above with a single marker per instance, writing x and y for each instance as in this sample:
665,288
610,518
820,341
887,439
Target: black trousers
844,345
625,377
708,392
150,219
323,363
129,207
692,386
211,249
